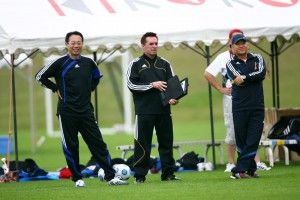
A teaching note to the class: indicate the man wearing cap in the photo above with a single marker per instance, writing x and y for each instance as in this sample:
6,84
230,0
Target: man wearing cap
218,66
246,72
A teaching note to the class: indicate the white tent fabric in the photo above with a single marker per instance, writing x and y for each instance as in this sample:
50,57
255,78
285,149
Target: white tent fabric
108,24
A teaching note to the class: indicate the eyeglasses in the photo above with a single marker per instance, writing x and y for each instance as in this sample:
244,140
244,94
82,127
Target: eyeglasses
75,43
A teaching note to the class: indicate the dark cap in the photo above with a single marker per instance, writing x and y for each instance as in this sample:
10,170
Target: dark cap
237,38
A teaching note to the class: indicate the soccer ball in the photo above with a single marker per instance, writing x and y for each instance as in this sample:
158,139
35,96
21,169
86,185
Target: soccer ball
122,171
101,174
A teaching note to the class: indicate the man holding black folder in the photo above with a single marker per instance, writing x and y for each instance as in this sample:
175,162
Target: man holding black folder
147,78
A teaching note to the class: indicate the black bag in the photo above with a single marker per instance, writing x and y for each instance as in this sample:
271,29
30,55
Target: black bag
28,166
294,147
152,165
190,160
284,127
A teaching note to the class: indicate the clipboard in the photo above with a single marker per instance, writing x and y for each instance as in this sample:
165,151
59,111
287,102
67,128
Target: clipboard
175,89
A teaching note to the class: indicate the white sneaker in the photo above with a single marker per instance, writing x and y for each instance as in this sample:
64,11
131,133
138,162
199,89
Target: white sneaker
262,166
229,167
79,183
208,166
201,166
117,181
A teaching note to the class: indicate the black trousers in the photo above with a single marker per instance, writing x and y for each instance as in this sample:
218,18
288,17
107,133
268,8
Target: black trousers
85,123
248,127
145,125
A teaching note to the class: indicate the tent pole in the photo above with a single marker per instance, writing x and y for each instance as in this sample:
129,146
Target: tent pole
277,73
207,56
14,113
273,73
96,93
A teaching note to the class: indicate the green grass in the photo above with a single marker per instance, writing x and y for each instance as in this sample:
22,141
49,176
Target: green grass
282,182
279,183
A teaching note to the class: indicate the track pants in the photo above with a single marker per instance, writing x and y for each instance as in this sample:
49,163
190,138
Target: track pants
84,123
248,127
145,125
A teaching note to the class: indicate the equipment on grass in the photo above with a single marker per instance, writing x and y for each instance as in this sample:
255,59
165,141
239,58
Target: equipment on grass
204,166
190,160
8,176
208,166
122,171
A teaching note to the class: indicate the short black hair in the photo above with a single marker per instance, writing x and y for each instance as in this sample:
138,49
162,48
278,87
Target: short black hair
148,34
68,35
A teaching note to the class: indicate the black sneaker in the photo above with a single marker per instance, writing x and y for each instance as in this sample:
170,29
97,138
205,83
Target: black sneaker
171,178
139,180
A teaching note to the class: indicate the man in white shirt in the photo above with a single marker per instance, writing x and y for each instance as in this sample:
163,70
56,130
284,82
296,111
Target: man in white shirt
219,66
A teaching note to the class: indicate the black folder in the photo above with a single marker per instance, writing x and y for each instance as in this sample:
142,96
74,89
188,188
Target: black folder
175,89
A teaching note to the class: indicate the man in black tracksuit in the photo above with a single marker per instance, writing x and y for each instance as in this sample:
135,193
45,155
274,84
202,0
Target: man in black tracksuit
247,71
76,77
146,78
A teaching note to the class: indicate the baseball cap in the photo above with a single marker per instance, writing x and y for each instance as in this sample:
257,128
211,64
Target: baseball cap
237,38
232,31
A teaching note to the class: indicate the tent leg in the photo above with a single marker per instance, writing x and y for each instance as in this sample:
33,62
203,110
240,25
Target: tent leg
275,74
14,113
211,112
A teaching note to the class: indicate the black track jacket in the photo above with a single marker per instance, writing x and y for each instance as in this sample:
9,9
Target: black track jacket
75,80
141,73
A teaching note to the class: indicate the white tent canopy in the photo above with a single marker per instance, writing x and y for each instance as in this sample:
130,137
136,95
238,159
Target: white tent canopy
107,24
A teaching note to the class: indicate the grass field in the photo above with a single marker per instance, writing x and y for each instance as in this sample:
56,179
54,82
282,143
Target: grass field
191,122
282,182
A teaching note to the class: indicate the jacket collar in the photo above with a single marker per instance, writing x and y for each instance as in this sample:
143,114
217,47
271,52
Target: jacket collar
249,56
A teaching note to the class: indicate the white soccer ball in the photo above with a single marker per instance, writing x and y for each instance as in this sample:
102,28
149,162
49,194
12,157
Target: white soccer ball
101,174
122,171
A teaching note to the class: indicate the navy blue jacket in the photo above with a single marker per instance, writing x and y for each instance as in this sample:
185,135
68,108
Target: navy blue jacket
249,95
